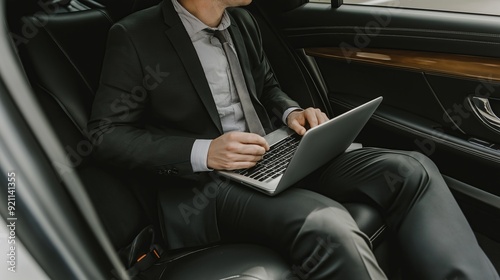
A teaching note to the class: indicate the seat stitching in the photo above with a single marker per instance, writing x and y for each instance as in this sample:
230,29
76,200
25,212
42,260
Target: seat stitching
187,254
239,276
105,15
65,54
378,233
64,108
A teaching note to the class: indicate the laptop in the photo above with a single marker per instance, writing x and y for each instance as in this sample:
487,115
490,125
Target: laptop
292,157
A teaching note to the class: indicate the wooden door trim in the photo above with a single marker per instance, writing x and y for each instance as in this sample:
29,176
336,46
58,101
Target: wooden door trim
450,64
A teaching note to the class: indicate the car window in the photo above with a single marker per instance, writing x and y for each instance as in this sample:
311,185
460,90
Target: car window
486,7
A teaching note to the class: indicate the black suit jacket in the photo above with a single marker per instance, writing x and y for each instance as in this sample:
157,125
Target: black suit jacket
154,101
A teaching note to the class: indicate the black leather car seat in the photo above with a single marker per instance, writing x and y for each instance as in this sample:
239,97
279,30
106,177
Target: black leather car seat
63,62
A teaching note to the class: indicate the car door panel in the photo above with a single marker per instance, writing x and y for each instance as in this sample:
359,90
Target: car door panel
427,65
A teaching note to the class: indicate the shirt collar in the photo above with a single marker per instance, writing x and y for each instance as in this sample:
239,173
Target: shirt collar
193,25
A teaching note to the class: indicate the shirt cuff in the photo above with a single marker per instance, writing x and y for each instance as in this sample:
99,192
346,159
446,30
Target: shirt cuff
287,112
199,155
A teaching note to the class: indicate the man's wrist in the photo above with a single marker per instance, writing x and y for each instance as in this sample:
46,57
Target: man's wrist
199,155
288,112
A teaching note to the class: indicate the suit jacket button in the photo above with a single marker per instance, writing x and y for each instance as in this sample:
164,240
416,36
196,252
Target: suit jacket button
161,171
173,171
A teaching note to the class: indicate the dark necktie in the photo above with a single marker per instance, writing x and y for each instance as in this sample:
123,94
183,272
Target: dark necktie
253,121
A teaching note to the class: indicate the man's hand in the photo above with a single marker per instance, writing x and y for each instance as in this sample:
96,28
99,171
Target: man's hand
298,120
236,150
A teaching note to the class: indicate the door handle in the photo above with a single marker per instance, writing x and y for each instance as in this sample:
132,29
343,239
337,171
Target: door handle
482,109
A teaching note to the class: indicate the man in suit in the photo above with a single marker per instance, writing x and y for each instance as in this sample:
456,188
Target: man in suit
170,103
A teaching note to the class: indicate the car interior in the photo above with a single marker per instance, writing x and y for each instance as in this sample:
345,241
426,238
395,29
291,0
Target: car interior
437,71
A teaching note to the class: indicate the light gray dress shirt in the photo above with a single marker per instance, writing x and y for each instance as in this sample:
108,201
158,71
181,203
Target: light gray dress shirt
218,74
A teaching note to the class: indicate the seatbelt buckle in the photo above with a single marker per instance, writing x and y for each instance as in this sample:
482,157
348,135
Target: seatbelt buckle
154,253
146,260
142,253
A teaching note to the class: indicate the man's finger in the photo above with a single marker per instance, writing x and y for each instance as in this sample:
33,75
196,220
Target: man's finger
322,118
252,150
297,127
254,139
311,117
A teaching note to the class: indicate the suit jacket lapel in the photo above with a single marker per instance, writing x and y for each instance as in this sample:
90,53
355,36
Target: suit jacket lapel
179,38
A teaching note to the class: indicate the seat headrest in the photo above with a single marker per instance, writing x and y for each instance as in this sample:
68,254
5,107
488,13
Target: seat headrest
120,8
65,58
19,8
28,7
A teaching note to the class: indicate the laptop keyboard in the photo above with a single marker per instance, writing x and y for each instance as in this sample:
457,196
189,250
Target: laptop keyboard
275,161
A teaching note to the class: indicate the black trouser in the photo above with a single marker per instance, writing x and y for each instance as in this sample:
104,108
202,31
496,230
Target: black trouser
323,241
